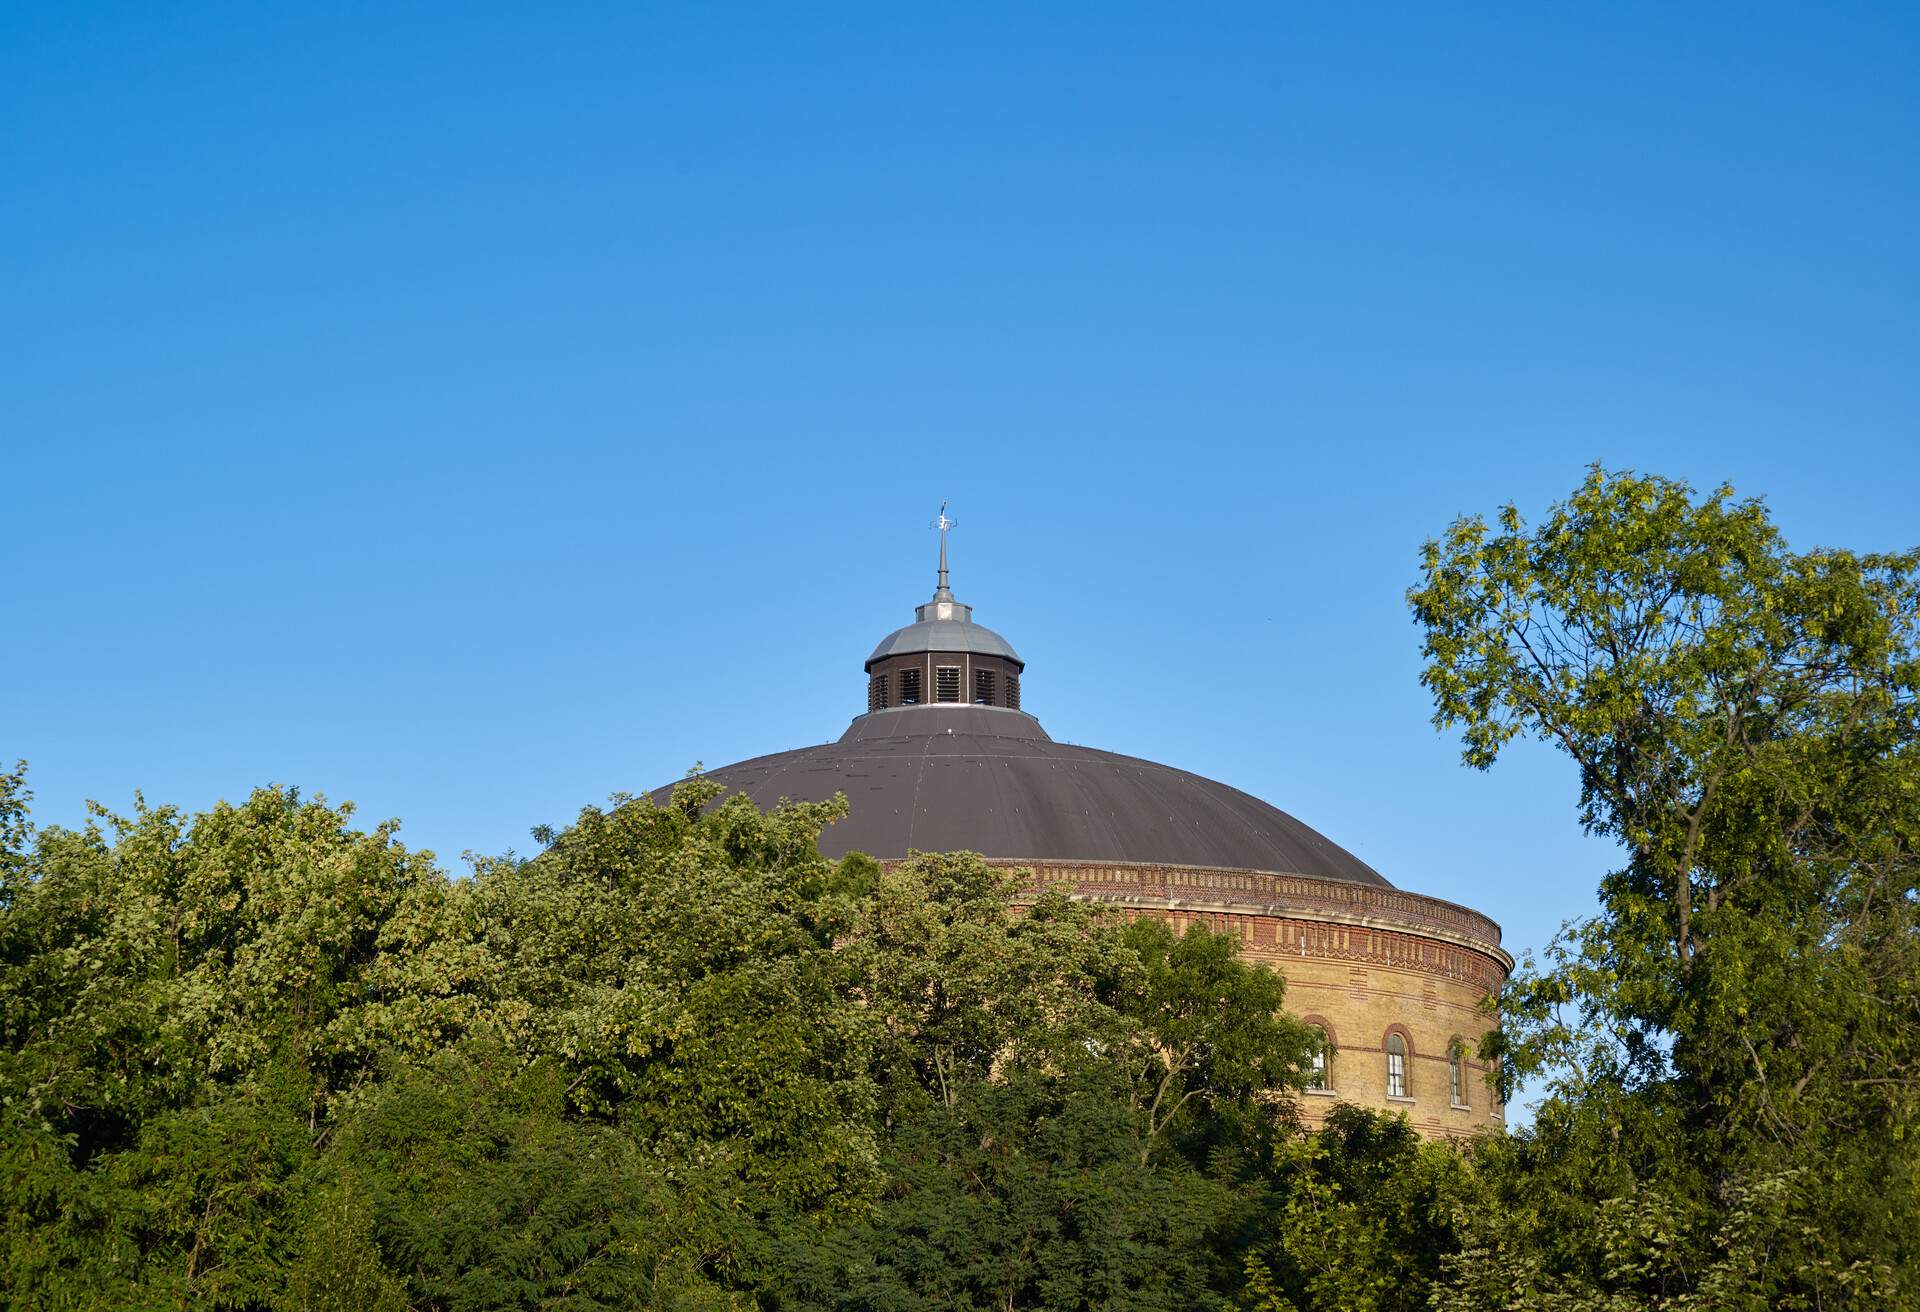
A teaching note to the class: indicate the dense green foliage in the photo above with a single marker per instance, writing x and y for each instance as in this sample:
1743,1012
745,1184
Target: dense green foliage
259,1059
1731,1047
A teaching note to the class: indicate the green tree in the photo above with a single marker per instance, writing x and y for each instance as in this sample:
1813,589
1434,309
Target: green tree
169,990
674,967
1209,1049
467,1176
237,1044
1068,1102
1368,1215
1023,1192
962,987
1730,1046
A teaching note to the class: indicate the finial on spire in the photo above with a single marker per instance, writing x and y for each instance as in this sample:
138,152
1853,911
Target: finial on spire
943,606
942,523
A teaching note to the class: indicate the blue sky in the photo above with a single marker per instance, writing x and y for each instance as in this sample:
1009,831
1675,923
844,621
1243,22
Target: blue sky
475,411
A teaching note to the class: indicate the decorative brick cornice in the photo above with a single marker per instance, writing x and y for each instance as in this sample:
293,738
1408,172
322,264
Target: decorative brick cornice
1274,939
1289,914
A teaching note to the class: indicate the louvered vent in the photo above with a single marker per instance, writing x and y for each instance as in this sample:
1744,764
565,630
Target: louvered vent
946,683
909,687
983,687
877,692
1013,691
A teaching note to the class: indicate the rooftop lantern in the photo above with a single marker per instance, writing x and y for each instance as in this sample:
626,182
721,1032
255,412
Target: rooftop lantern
943,658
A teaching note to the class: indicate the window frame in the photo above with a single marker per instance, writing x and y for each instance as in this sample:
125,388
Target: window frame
1322,1062
1399,1053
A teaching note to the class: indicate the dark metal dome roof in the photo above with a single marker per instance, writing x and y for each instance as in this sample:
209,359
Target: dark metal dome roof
990,780
944,635
946,776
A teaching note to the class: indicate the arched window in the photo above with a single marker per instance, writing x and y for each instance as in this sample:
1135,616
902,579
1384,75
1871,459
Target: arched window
1457,1071
1320,1064
1396,1066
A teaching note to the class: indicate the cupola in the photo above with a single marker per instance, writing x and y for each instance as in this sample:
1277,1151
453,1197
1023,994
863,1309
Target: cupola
943,658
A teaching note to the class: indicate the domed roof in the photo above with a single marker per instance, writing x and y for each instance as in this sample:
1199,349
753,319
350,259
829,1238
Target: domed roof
944,635
989,780
948,776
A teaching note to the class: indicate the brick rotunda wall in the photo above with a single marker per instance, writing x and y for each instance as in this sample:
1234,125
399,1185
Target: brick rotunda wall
1360,962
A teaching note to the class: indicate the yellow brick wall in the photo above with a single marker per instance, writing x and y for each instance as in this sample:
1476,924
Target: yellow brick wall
1358,1002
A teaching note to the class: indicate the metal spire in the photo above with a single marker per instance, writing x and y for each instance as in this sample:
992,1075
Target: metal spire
943,606
941,522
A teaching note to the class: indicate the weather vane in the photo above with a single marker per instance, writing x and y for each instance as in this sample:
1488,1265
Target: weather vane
942,523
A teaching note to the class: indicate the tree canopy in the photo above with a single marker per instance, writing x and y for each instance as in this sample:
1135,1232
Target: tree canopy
257,1058
1731,1046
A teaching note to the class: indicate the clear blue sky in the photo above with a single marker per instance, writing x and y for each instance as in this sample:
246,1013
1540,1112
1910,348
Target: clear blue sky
474,411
